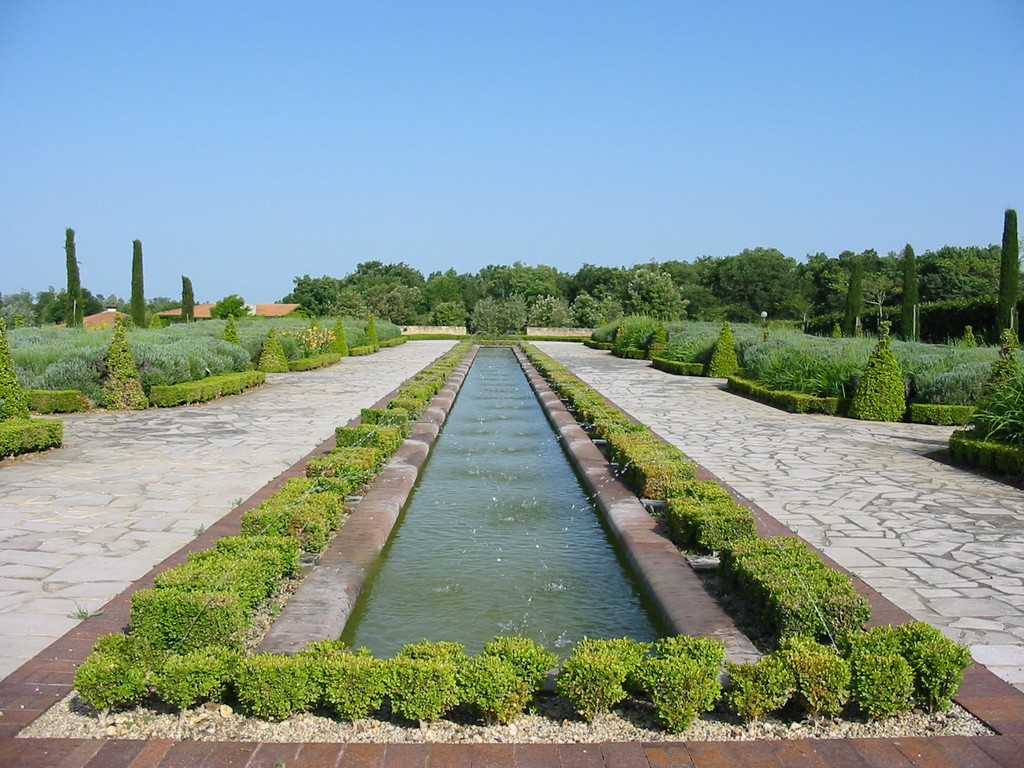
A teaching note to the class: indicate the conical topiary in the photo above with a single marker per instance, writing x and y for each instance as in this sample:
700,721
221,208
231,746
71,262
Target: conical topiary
230,331
122,387
968,340
273,358
880,394
1006,365
339,343
371,333
13,400
659,341
724,361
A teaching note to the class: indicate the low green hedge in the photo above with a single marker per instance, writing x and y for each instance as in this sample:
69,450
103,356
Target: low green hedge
166,396
794,402
650,466
353,465
25,435
387,438
57,400
708,524
389,417
434,336
317,361
604,345
941,415
393,342
679,368
362,351
629,353
791,588
306,510
984,454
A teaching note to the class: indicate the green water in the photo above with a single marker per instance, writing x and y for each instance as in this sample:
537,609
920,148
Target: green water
498,536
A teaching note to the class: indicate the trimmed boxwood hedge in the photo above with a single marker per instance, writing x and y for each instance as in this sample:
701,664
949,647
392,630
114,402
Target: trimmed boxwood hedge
791,588
794,402
998,457
941,415
678,367
56,401
26,435
206,389
316,361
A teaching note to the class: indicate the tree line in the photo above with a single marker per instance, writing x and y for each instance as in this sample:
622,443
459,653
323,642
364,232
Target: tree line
739,288
744,287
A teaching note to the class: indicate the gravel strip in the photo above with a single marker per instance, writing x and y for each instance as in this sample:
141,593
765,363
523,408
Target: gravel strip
551,721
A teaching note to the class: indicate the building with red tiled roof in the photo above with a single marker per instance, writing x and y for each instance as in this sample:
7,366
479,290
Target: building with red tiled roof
202,311
104,319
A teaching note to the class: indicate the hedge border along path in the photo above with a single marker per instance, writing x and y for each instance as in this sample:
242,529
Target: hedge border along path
322,604
47,678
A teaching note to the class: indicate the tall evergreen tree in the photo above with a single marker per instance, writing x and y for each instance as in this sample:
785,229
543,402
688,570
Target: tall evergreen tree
188,301
908,324
138,301
1009,272
854,298
74,313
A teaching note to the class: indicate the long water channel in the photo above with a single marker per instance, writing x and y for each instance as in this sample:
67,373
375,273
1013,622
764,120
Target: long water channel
498,537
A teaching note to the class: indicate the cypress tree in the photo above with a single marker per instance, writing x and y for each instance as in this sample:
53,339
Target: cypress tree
188,301
854,298
74,313
138,301
13,400
910,297
1009,272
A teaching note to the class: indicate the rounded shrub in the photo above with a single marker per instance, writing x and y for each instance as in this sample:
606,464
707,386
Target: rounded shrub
882,684
530,660
275,686
821,676
760,687
494,688
200,675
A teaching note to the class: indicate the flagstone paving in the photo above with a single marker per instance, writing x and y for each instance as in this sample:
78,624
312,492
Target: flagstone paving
80,523
943,543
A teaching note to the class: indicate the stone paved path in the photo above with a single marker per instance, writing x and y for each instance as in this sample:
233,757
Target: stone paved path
79,524
944,544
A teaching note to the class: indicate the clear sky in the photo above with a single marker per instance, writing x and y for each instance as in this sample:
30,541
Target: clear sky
246,143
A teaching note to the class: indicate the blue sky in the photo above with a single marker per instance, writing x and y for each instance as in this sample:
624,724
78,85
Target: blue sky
247,143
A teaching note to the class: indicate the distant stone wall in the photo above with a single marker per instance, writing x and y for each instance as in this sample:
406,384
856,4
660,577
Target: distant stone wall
539,331
454,329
